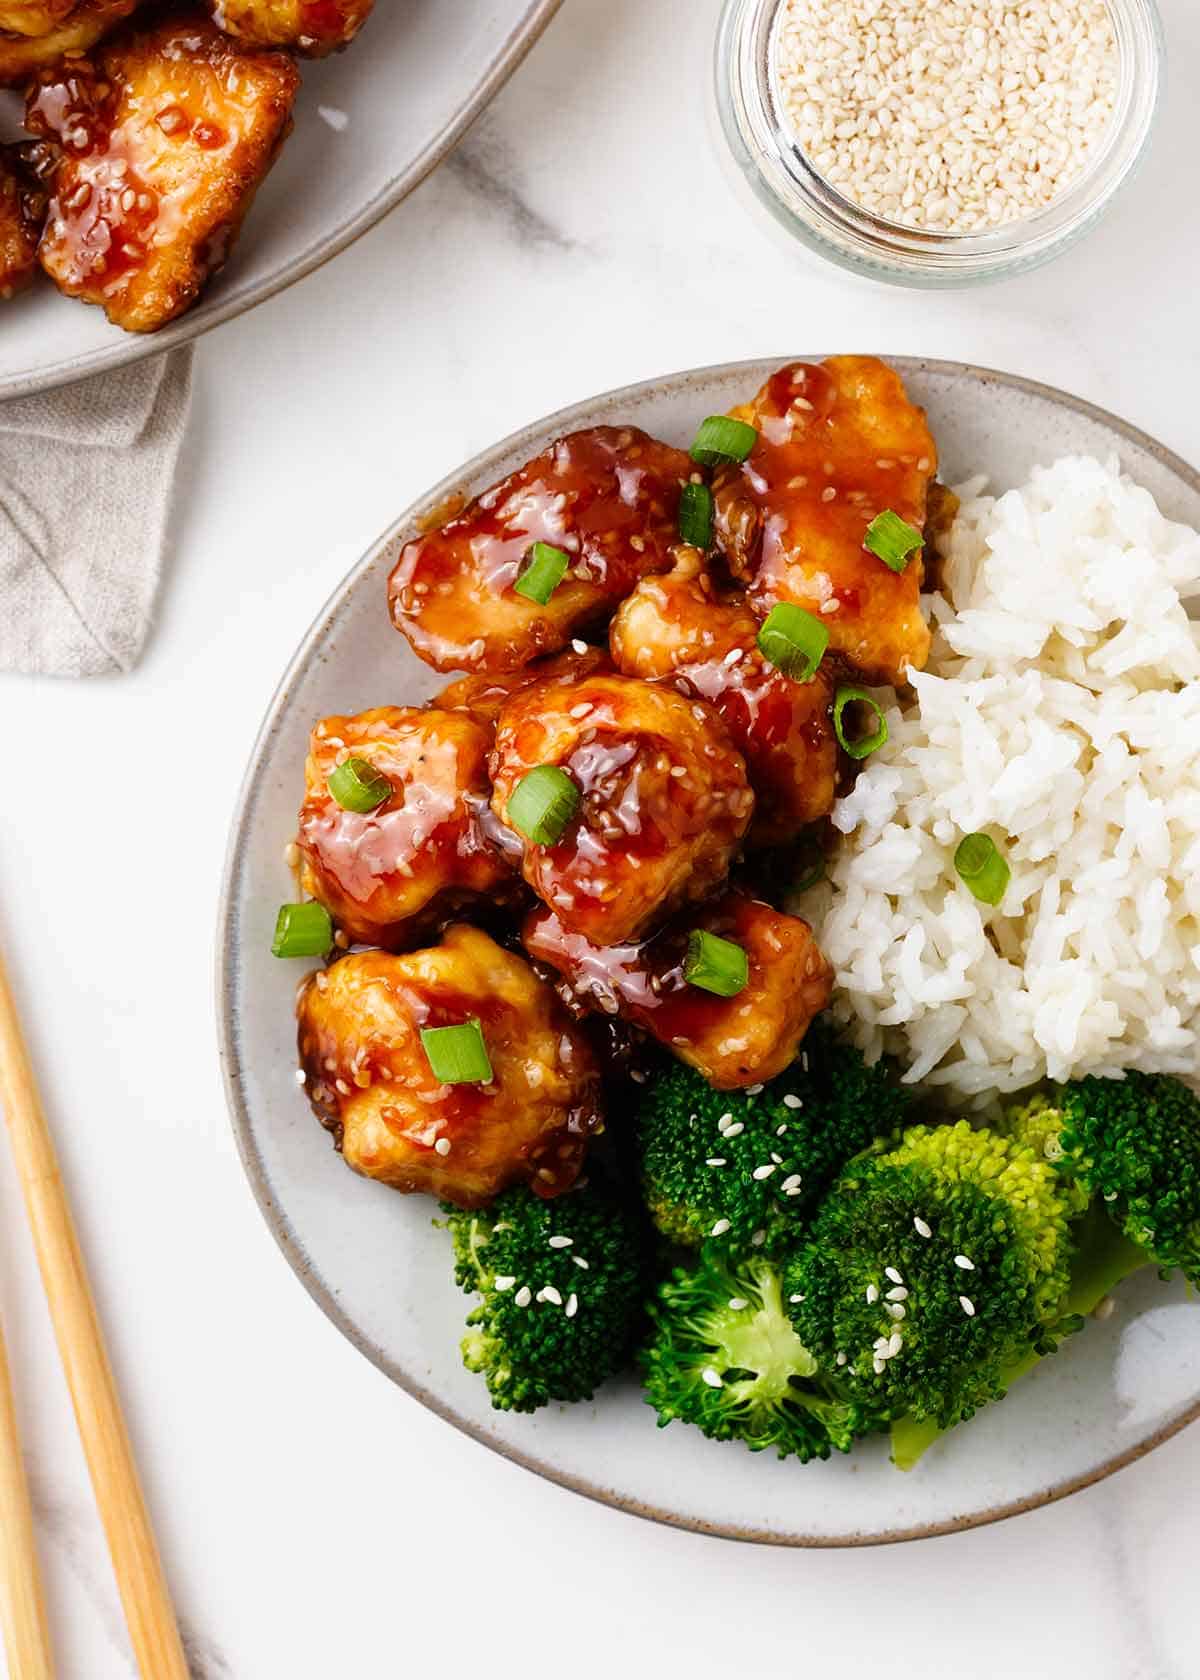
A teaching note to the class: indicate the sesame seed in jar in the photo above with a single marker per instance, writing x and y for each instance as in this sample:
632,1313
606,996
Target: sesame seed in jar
957,116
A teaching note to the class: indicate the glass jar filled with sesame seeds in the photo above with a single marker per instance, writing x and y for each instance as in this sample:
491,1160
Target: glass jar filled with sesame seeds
938,142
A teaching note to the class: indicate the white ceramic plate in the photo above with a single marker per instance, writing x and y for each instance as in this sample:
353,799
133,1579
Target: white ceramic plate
382,1273
371,123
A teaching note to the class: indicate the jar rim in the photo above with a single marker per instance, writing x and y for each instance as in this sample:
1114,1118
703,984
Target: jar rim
788,183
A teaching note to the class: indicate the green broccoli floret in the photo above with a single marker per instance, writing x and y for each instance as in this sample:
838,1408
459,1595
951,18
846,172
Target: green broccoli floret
724,1357
1134,1142
733,1164
931,1268
562,1282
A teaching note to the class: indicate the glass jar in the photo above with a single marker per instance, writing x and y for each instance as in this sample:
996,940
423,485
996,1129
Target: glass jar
782,178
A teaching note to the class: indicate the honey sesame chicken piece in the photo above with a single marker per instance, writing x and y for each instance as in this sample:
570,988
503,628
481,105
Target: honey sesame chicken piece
75,28
33,17
22,207
484,696
837,444
732,1041
393,875
310,27
674,628
664,800
367,1073
166,134
608,498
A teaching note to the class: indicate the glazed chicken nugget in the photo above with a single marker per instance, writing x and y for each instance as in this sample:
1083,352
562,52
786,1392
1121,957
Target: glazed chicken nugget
369,1076
674,628
33,17
75,29
310,27
391,875
485,696
837,444
166,135
663,800
732,1041
607,499
22,208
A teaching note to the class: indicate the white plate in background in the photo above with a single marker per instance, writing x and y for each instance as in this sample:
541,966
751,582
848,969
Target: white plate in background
371,122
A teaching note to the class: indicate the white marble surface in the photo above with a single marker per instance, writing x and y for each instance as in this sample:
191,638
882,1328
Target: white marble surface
315,1521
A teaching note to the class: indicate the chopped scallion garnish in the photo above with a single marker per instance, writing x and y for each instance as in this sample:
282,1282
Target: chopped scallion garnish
358,785
302,930
546,569
794,640
892,539
982,866
715,965
696,515
542,804
860,746
457,1055
721,439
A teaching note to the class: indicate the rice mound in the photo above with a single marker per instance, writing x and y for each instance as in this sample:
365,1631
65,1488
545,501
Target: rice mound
1060,713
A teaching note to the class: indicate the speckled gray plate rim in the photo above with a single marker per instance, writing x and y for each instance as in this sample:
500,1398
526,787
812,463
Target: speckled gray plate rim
120,349
528,441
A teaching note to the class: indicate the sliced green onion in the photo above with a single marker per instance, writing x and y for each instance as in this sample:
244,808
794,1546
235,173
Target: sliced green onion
358,786
546,569
715,965
722,439
696,515
302,930
981,865
794,640
542,804
457,1055
893,539
863,745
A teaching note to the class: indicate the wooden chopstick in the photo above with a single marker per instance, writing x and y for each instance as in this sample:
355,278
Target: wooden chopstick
22,1605
106,1445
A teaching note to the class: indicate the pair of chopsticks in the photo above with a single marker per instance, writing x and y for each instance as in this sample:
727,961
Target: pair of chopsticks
107,1448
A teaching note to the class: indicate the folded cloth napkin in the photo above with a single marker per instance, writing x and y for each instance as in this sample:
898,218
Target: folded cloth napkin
85,488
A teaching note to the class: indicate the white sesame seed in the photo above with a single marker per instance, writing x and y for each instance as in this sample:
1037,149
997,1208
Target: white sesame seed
579,647
572,1306
895,1344
792,1101
966,1265
735,1130
780,1130
523,1296
792,1182
763,1171
795,1299
724,1120
841,1359
920,1227
778,1159
891,1272
442,1146
895,1310
967,1305
715,1161
561,1242
504,1282
580,1261
720,1228
301,1076
879,1365
549,1293
737,1302
753,1090
758,1239
898,1294
711,1377
872,1294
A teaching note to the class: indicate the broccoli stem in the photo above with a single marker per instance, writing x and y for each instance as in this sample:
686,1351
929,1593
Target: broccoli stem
1104,1258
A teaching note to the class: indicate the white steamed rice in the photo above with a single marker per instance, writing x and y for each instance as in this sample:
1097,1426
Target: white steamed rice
1060,713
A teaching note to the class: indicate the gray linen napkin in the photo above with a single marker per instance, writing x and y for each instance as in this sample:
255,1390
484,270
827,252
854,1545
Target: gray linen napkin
85,486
